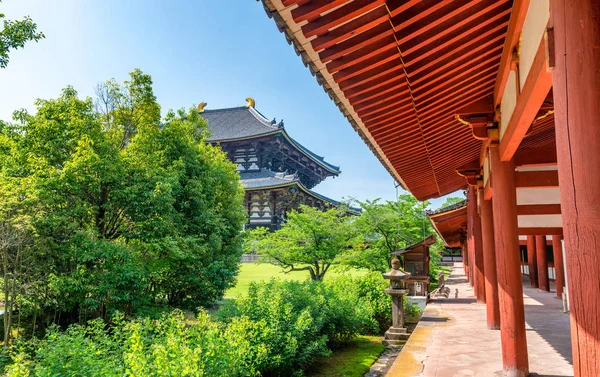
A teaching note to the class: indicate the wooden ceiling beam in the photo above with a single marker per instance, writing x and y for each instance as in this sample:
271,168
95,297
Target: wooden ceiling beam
340,16
432,86
314,8
459,50
364,39
472,14
395,76
476,82
456,102
457,42
349,30
392,87
455,64
350,52
372,76
397,97
380,47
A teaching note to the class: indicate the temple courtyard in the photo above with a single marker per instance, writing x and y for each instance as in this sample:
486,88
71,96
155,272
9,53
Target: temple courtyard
452,338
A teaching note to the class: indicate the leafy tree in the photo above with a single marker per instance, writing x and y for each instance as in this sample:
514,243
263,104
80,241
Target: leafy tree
15,34
388,227
309,240
132,209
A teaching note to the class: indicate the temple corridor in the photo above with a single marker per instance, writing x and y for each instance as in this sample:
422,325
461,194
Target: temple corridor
452,338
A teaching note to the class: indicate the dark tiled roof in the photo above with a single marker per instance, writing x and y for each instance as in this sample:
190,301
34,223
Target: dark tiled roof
266,178
237,123
246,122
451,207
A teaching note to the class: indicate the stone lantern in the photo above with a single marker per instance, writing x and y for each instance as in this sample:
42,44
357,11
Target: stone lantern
396,334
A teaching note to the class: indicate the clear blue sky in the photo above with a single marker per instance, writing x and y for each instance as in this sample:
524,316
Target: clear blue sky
218,52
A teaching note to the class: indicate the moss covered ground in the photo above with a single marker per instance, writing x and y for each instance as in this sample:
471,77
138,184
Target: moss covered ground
352,359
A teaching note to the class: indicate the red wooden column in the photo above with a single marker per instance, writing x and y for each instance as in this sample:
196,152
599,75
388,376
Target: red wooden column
466,260
489,262
542,263
576,79
532,259
510,289
470,244
559,270
478,266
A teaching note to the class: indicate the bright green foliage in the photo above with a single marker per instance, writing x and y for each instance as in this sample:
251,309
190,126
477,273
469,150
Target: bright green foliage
14,34
309,240
126,209
279,329
388,227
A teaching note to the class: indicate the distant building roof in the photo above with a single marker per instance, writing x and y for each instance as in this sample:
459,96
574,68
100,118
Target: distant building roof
265,179
239,123
451,207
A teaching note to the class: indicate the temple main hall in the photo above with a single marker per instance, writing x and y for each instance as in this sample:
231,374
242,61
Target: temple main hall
277,172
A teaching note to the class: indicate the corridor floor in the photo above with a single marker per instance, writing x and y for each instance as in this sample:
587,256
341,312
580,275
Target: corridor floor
452,339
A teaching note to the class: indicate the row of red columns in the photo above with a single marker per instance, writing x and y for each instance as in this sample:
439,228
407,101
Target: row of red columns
538,263
576,89
495,263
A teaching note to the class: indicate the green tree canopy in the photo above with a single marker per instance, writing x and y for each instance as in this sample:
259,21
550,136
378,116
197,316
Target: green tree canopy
309,240
14,35
387,227
130,209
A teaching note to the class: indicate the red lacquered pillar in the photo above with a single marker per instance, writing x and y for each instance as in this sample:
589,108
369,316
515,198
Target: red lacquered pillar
489,262
559,269
510,289
478,266
532,260
542,263
576,87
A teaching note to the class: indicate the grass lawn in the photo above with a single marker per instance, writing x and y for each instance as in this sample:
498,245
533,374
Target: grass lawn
255,272
352,360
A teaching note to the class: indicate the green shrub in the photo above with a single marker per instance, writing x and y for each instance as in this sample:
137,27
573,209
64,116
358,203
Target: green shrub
371,289
278,329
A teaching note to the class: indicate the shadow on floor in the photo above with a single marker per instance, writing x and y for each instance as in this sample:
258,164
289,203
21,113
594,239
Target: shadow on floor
547,319
431,319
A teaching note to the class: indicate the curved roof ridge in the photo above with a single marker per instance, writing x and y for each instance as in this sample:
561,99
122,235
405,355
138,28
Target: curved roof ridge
261,118
223,109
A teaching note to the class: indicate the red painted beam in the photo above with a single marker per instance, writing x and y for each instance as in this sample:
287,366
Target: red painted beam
541,209
537,178
540,231
534,92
